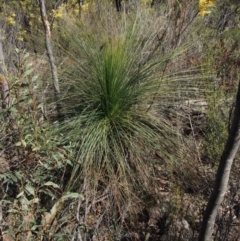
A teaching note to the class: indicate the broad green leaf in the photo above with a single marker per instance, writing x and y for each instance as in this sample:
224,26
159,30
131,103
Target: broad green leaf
27,72
46,165
20,194
49,183
72,195
48,192
12,210
24,144
34,227
34,200
6,201
12,177
28,136
30,189
36,148
34,78
13,110
54,208
40,106
25,57
19,175
69,162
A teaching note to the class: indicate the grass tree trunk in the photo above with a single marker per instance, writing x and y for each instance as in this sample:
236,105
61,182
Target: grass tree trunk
3,81
222,176
50,54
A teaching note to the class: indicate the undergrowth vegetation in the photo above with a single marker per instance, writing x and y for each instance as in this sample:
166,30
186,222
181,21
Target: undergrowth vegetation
145,109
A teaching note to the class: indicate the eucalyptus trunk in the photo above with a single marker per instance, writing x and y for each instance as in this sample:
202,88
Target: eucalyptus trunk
222,177
50,53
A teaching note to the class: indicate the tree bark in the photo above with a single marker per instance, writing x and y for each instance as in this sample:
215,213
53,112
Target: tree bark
222,177
50,54
3,81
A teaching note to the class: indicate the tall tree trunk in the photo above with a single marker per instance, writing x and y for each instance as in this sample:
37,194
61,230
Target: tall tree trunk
50,54
222,176
3,81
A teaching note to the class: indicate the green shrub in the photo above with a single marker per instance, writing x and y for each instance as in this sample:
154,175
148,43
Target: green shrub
32,188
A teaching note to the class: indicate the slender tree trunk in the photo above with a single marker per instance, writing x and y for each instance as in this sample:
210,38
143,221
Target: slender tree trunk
80,4
3,81
222,176
50,54
118,5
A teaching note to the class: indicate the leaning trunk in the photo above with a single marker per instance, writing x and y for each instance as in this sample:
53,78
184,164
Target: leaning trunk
222,176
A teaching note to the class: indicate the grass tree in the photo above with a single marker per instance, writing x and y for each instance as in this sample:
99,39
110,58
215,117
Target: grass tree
112,76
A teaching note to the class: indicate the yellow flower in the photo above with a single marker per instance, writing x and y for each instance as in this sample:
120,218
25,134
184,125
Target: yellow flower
20,38
57,13
145,2
85,7
204,7
31,15
11,21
